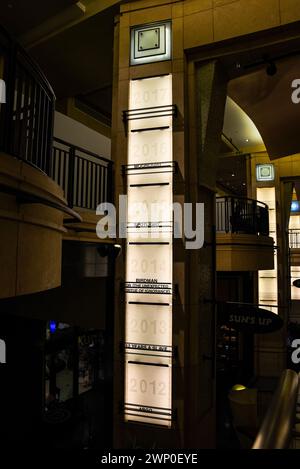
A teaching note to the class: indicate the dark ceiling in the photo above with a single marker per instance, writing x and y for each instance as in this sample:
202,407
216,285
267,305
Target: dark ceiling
80,59
19,16
267,101
232,174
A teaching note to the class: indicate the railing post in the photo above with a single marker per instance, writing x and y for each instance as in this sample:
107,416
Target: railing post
255,224
233,223
49,153
10,78
71,177
110,185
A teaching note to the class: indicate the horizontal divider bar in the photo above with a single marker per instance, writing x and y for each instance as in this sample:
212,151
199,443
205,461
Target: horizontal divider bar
147,303
150,184
162,365
149,407
148,129
148,243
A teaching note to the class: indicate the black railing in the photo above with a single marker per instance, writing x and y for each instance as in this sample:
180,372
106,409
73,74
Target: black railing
241,215
26,119
294,239
85,177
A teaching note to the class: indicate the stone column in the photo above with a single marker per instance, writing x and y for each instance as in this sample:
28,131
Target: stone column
199,92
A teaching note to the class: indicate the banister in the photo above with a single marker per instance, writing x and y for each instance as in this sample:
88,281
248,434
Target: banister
235,197
85,177
83,150
241,215
276,429
26,120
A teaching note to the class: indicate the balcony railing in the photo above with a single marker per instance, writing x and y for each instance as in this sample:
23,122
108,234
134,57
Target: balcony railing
294,239
242,216
85,177
26,119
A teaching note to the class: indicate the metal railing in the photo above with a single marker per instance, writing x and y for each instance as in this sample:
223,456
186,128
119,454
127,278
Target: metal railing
86,178
294,239
241,215
277,426
26,119
26,131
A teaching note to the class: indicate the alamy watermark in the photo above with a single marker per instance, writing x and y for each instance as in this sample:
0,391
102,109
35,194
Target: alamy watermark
296,93
151,225
296,353
2,351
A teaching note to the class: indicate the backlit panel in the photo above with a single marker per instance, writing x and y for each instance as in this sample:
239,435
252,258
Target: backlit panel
149,253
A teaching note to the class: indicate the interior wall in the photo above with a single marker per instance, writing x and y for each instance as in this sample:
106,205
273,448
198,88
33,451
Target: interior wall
79,134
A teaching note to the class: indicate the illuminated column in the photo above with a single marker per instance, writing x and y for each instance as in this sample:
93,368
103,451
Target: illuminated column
149,252
164,319
270,349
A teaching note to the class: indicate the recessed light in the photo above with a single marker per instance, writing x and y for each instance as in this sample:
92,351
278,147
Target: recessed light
233,175
247,140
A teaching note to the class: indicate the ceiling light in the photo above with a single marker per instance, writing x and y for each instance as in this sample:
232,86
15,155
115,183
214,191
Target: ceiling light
247,140
233,175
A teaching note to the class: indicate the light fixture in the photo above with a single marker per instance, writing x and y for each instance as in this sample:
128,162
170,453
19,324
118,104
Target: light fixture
52,326
238,387
295,206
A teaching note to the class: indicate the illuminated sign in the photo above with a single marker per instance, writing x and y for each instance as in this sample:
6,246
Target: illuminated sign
149,252
250,318
148,393
265,172
150,43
